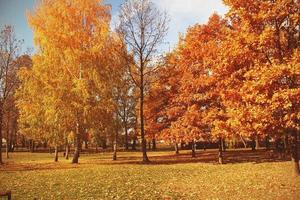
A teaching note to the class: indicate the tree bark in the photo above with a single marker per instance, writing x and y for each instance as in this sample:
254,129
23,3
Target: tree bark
154,144
134,144
86,145
77,146
176,148
126,137
104,146
1,124
295,156
267,142
243,141
220,155
257,142
56,154
7,135
23,141
13,137
253,143
7,141
144,143
223,145
115,151
193,149
181,145
115,146
286,143
67,151
31,146
7,150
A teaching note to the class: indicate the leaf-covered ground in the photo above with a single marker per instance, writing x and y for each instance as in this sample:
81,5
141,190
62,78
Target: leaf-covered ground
35,176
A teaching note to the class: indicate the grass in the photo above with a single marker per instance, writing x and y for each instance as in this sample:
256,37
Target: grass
35,176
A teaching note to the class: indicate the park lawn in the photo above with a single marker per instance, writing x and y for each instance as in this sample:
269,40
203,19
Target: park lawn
35,176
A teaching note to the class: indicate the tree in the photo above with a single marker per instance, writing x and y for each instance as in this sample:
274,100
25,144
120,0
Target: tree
9,50
119,90
10,109
70,37
269,34
276,89
126,103
156,102
191,105
143,27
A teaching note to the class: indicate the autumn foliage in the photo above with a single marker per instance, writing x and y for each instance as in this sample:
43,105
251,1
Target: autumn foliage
236,76
68,92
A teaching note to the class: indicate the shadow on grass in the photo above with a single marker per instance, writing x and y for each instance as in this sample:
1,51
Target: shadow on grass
13,167
210,156
230,157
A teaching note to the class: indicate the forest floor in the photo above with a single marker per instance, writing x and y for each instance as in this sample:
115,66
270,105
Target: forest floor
246,175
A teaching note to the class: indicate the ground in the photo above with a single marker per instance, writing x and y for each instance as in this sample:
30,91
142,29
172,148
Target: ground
36,176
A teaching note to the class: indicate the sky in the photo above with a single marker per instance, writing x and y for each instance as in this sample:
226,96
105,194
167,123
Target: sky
182,13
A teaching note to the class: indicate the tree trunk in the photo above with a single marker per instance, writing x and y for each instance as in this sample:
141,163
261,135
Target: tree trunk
153,144
115,151
1,120
56,154
67,151
134,144
126,138
115,146
77,145
220,151
286,144
7,141
243,141
23,141
144,143
31,146
13,137
223,145
104,146
253,143
7,150
181,145
295,156
12,145
267,142
176,148
7,135
193,149
86,146
257,142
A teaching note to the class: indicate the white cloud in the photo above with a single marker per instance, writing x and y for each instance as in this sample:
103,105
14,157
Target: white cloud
191,7
185,13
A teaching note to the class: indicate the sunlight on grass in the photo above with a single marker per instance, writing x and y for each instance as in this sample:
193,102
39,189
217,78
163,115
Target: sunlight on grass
44,179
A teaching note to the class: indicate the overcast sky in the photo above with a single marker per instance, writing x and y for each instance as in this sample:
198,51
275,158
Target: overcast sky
183,13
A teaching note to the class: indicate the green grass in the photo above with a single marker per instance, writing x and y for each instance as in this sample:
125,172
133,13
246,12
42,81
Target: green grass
34,175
